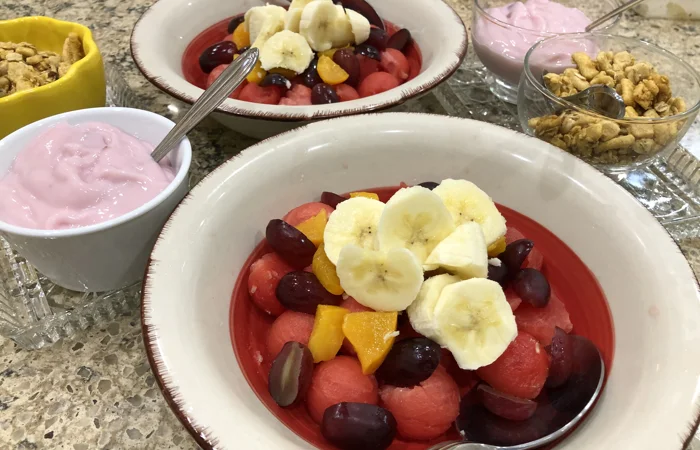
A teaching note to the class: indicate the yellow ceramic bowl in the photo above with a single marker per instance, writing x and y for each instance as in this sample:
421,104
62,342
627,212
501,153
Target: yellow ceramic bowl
82,87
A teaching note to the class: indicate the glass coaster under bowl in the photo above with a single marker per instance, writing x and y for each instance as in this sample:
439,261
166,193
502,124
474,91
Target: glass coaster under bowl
34,312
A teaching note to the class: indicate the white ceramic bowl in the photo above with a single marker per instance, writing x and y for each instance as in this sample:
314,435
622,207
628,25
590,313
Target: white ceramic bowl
651,398
111,254
161,35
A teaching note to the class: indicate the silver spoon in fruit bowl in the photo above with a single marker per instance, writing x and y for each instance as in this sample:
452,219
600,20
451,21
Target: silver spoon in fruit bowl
210,99
563,408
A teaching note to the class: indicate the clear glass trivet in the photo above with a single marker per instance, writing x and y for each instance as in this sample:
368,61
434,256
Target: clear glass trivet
34,312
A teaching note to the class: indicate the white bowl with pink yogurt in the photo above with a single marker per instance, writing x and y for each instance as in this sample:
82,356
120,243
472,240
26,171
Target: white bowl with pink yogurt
81,198
504,30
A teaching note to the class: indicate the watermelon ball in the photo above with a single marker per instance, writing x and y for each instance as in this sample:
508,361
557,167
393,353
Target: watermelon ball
346,92
339,380
395,63
541,322
521,370
291,326
305,212
376,83
425,411
268,95
265,274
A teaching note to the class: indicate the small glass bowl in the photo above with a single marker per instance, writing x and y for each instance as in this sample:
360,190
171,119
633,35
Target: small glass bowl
628,143
501,47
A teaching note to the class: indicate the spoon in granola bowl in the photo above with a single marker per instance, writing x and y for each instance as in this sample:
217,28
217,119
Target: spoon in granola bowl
599,98
210,99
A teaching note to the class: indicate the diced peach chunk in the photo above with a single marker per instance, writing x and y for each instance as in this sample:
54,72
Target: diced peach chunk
327,336
371,195
325,271
497,247
371,334
313,227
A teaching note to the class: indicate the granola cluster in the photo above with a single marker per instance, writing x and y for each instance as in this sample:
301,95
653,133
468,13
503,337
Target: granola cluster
23,66
646,93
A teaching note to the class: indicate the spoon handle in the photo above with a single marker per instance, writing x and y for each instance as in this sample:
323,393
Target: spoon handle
215,94
619,10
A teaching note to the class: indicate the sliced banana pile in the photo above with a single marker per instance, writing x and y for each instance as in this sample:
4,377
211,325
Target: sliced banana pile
381,251
287,39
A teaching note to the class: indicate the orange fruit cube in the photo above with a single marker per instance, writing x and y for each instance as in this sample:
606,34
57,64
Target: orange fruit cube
330,72
313,227
288,74
327,335
257,74
497,247
325,271
240,36
371,195
371,334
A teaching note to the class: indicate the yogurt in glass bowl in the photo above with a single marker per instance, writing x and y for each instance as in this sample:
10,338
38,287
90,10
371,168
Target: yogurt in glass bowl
82,199
503,31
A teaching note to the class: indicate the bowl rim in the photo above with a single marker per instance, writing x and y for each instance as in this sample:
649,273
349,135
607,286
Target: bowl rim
200,432
185,148
249,110
691,111
88,42
482,11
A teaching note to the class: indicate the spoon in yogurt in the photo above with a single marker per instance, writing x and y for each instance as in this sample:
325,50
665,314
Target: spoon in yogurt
210,99
559,410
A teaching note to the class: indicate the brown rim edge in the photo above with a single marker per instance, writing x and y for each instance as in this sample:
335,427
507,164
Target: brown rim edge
301,117
200,433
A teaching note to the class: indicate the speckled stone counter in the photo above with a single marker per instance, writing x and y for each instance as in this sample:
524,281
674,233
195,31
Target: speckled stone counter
96,390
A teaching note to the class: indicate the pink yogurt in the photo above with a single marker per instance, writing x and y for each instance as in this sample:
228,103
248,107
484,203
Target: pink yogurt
78,175
502,48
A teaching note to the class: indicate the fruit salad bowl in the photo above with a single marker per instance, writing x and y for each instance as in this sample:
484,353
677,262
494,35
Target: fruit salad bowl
207,323
168,39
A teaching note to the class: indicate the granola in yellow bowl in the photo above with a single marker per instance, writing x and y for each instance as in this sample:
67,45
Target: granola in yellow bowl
47,67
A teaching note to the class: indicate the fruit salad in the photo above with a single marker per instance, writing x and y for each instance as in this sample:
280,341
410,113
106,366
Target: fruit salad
314,52
385,317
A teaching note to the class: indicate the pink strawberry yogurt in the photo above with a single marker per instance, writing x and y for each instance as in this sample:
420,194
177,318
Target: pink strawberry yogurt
501,47
78,175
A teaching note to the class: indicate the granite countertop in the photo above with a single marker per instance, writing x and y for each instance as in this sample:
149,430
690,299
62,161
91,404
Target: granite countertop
96,390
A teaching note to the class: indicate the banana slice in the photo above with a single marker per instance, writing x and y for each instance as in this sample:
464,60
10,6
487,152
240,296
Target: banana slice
321,24
414,218
299,4
268,17
474,322
467,202
286,50
383,281
292,19
354,221
463,252
420,313
342,31
359,25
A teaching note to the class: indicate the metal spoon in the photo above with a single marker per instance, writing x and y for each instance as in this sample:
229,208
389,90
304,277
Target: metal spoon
619,10
598,98
462,445
210,99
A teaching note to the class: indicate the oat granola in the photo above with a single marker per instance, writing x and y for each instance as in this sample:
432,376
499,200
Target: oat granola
645,92
23,66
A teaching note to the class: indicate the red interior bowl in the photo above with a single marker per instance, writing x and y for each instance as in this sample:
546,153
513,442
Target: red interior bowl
219,31
569,277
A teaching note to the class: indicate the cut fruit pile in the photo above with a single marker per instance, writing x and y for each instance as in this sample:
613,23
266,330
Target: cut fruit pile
314,52
383,309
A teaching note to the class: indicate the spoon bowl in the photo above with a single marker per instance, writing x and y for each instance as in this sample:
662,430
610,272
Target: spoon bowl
598,98
559,409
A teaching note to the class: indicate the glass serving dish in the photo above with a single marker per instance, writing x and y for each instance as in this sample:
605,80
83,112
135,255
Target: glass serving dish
501,47
660,109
